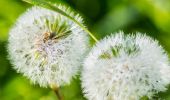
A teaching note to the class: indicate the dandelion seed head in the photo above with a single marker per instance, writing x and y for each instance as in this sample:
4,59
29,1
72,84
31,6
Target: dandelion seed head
124,67
47,47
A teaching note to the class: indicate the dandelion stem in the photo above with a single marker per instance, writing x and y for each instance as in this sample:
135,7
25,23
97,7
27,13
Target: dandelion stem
45,4
57,92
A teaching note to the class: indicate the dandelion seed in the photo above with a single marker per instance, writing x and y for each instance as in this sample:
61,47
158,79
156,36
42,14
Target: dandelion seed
123,67
47,47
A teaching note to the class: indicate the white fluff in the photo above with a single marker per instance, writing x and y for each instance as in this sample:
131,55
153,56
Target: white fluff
124,67
36,54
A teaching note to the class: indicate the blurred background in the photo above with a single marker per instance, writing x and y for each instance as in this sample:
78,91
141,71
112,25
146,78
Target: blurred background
102,17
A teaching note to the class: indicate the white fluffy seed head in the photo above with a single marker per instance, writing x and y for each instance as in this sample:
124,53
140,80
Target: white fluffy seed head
47,47
124,67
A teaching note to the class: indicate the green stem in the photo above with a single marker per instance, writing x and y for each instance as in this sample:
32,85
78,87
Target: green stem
45,4
58,94
56,89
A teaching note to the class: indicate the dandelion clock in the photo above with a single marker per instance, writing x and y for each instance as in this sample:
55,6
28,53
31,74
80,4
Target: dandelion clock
125,67
47,47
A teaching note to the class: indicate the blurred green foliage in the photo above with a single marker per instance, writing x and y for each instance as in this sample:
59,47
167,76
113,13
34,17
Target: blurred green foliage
102,17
